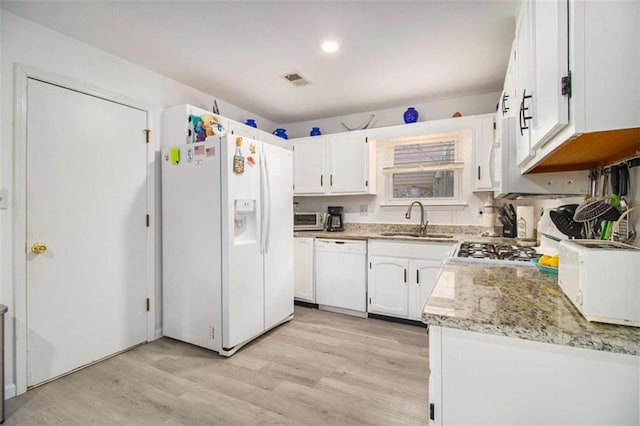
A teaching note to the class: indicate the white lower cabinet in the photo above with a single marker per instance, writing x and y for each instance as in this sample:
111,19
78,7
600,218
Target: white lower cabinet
304,288
478,378
401,276
388,290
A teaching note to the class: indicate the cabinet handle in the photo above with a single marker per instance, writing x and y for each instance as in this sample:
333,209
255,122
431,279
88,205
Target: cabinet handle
417,276
321,180
405,275
505,109
523,117
478,172
331,180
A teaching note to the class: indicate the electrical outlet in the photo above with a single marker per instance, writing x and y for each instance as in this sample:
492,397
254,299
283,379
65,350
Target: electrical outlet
364,209
4,198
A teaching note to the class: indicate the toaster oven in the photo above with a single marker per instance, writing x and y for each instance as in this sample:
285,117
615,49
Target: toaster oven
308,221
602,280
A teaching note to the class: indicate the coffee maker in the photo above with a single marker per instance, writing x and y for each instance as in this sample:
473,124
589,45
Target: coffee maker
334,221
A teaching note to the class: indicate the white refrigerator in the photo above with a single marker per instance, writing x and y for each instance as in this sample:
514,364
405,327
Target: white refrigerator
227,224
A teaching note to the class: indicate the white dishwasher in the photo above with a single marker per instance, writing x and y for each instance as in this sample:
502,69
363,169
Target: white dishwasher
341,276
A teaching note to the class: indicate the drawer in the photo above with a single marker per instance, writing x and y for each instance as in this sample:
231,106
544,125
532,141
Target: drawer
409,249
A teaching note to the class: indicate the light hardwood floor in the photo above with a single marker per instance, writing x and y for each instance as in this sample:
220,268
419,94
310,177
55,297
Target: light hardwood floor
321,368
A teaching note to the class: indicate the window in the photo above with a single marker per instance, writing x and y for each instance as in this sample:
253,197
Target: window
425,168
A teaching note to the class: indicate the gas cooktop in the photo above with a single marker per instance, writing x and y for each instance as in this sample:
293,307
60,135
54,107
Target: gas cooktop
495,252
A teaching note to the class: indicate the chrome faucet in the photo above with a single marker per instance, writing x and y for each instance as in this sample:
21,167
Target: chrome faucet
422,228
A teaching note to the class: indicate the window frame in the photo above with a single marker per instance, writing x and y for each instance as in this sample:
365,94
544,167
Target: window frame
457,166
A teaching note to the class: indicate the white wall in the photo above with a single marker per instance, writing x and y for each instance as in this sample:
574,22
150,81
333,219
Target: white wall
432,110
35,46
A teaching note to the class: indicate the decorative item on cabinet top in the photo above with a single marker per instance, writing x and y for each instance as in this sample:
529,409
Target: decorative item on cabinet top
315,131
204,125
251,123
410,115
281,133
364,125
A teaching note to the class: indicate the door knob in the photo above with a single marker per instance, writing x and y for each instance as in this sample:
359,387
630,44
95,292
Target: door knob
38,248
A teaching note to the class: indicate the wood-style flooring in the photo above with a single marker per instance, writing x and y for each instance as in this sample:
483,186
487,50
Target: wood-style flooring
321,368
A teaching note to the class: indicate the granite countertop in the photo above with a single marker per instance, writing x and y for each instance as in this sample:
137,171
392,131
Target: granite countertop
367,231
519,301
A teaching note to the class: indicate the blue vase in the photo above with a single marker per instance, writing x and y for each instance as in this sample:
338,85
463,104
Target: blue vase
315,131
251,122
410,115
281,133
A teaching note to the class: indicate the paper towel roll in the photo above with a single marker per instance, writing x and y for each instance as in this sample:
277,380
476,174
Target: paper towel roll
525,221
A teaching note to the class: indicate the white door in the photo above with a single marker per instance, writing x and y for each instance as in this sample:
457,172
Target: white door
278,236
423,275
388,286
347,163
304,275
308,165
86,202
242,263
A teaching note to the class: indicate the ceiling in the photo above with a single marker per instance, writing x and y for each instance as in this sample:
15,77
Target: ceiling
393,53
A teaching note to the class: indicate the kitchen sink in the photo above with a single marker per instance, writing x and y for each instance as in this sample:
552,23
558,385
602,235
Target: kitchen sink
414,234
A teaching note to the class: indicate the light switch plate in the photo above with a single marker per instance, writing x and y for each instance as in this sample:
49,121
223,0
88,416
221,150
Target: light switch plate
4,198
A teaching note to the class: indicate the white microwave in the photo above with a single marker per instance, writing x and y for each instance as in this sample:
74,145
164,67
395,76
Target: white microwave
309,221
602,280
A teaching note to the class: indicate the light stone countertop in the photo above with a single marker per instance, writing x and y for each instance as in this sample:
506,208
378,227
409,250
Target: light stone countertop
368,231
521,302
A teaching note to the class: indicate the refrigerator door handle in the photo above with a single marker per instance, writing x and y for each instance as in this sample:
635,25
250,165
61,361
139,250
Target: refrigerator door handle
264,182
267,209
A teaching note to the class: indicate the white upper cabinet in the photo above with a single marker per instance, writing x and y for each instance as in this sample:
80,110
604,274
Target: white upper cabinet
348,162
584,62
308,166
508,104
483,145
542,63
342,163
550,103
524,82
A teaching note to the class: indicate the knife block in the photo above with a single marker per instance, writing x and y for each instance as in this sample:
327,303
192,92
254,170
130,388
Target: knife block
509,231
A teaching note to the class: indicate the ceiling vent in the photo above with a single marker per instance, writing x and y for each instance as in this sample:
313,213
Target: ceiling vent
296,79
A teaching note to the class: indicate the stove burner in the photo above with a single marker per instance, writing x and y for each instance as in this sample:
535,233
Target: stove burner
496,251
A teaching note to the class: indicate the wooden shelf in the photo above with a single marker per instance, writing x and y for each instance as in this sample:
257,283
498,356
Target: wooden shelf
590,150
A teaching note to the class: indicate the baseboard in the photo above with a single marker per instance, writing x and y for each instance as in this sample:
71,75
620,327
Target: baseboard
158,333
343,311
9,391
398,320
305,304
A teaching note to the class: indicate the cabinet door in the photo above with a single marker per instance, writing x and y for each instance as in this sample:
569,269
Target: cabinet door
243,130
423,275
303,270
524,83
347,163
308,165
388,287
483,144
550,64
508,101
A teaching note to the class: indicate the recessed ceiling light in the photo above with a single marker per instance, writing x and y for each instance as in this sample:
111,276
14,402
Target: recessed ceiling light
330,46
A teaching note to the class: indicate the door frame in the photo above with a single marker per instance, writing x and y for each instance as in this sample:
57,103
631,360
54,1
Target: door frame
21,75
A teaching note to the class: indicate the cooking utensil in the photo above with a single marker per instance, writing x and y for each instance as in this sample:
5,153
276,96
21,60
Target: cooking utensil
621,231
614,173
563,220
